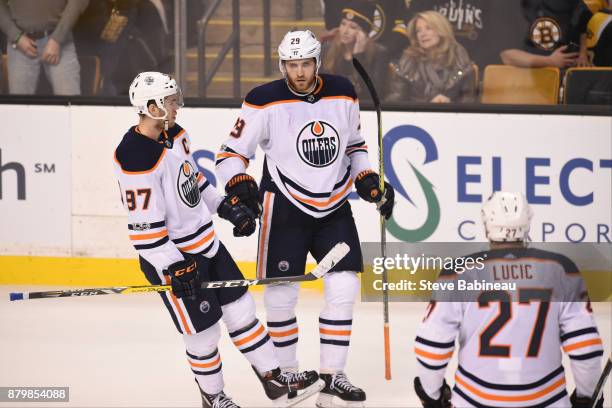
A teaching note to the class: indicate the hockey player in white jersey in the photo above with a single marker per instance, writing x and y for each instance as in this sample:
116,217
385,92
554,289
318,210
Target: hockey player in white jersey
308,127
511,342
169,205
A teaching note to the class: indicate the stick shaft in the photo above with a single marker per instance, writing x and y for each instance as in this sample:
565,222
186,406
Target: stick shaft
599,388
383,230
329,261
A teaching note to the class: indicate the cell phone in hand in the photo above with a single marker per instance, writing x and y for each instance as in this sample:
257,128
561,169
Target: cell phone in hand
572,47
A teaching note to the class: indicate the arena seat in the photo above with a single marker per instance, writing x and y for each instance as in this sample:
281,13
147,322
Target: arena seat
588,86
513,85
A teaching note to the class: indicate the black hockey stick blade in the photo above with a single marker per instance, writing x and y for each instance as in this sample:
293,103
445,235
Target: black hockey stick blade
330,260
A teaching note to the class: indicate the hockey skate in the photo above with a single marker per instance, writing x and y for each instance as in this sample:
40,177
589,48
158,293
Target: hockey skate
219,400
287,389
340,393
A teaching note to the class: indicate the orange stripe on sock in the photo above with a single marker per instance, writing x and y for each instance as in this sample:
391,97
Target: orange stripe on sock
206,365
283,333
239,343
335,332
433,356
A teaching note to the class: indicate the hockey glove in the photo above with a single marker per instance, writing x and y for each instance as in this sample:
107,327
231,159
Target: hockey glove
184,279
427,401
245,187
233,210
367,185
583,402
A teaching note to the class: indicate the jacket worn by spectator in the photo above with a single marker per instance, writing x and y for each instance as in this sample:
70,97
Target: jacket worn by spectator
482,27
419,80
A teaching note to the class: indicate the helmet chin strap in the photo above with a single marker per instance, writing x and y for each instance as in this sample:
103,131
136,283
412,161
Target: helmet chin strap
163,118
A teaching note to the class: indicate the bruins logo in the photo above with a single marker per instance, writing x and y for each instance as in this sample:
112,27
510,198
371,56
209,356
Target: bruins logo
318,144
545,33
187,185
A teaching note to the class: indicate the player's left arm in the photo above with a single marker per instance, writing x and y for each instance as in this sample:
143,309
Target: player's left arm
434,346
366,180
580,338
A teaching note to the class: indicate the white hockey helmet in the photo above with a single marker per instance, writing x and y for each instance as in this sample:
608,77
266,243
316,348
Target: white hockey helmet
153,86
506,217
298,45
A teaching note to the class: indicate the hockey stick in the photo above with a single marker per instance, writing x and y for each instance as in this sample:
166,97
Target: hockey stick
599,388
383,230
329,261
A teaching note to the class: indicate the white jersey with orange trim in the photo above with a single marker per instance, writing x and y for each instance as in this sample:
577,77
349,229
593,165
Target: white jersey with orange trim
168,201
511,341
312,144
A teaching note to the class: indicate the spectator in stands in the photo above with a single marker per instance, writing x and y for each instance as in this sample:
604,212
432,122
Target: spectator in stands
435,68
556,36
40,33
388,24
599,36
483,27
120,33
351,40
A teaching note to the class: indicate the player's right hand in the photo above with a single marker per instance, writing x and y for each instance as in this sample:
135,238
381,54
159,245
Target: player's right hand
245,187
583,402
233,210
442,402
184,278
368,188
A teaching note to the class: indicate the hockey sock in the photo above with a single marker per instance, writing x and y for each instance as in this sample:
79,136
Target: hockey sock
280,303
336,320
204,359
249,335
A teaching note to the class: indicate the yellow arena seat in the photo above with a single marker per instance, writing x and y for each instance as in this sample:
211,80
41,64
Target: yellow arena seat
513,85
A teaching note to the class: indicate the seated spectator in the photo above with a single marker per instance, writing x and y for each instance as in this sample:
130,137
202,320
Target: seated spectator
40,33
482,27
599,37
351,40
388,24
556,36
435,68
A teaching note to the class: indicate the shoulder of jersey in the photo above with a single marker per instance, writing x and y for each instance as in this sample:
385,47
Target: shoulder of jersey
275,91
137,153
568,265
450,272
337,85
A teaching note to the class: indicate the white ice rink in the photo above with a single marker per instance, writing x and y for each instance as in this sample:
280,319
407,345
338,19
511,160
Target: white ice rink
123,351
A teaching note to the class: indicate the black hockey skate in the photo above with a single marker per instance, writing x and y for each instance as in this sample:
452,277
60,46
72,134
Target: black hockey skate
287,389
338,385
219,400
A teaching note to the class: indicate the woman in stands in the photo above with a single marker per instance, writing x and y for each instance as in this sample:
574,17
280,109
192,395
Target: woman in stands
435,67
350,40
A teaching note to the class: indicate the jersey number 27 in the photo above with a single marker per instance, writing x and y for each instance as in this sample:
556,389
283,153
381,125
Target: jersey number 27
526,295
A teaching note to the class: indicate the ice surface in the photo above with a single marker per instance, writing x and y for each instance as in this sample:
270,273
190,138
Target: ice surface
123,351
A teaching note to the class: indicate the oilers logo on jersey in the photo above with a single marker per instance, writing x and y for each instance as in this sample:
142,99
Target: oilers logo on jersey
317,144
187,185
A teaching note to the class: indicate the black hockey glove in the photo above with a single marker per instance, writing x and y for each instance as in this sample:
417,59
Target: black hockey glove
245,187
427,401
368,189
583,402
184,279
233,210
